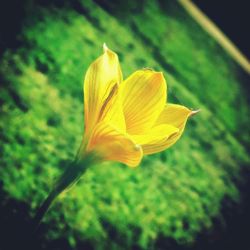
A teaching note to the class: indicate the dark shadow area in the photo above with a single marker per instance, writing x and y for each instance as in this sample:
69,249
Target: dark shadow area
11,15
233,232
232,17
17,230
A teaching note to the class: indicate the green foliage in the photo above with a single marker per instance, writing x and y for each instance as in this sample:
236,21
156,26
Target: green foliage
172,194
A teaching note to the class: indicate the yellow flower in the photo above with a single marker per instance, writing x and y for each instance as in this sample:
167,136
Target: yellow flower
125,120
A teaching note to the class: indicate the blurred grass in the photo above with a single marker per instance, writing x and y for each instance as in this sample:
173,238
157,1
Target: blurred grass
174,194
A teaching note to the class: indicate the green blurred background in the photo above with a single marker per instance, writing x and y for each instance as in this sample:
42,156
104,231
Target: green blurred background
190,196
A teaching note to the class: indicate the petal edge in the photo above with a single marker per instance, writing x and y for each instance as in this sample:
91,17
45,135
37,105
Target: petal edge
112,145
157,139
101,77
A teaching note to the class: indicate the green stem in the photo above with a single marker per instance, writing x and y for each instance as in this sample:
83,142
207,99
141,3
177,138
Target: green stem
43,209
71,175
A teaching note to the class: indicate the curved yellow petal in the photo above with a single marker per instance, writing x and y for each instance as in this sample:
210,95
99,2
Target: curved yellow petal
115,115
175,115
157,139
143,97
100,87
112,145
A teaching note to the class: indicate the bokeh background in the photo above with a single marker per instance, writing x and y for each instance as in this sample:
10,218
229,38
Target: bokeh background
191,196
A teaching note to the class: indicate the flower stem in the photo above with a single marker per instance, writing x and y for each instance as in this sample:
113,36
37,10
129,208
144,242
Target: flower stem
43,209
70,176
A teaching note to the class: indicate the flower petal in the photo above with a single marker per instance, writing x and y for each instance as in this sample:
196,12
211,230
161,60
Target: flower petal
175,115
112,145
114,114
143,96
99,87
157,139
